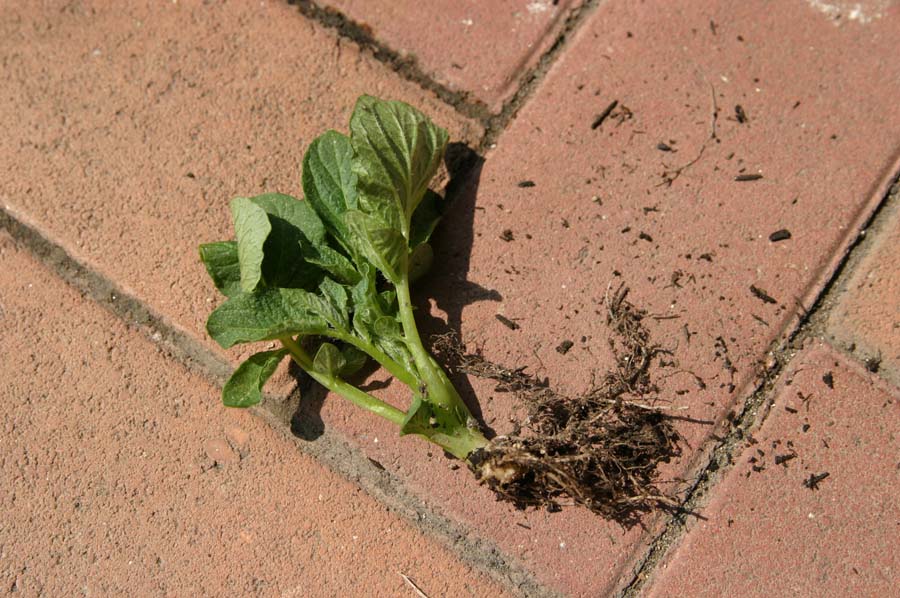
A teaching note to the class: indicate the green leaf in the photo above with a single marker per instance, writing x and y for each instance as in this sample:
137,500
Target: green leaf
372,323
387,327
430,419
244,388
221,261
332,261
289,221
329,360
329,183
333,304
267,314
449,428
355,359
396,152
381,244
293,222
418,418
294,211
425,219
252,227
420,261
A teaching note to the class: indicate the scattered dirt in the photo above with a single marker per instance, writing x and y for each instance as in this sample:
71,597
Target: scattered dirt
780,235
600,450
814,479
506,322
762,295
598,120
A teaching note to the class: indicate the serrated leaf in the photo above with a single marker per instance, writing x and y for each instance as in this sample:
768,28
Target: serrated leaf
396,152
244,387
252,228
329,360
221,261
381,244
329,183
267,314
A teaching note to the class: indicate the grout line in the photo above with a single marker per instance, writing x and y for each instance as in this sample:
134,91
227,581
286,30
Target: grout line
531,79
755,410
331,450
105,292
462,101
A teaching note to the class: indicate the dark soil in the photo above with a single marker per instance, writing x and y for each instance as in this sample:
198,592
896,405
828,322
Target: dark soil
599,450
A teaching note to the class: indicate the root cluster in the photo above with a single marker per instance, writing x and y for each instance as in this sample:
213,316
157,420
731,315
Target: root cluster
600,450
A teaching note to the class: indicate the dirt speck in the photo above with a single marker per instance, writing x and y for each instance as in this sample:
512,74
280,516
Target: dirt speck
564,347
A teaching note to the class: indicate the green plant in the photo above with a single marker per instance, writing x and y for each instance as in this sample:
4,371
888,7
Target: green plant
306,272
329,277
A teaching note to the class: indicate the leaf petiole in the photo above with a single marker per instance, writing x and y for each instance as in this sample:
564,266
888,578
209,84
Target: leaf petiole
356,396
394,369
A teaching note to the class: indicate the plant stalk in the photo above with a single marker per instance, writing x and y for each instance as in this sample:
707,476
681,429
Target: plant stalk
455,429
394,369
351,393
438,388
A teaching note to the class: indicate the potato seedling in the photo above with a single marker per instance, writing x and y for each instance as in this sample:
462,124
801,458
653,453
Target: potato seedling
329,278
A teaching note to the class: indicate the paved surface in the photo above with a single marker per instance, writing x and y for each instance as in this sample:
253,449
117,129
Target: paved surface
122,477
826,462
127,131
481,49
866,320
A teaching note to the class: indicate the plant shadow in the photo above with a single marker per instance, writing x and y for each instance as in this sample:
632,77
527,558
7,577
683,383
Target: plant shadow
446,284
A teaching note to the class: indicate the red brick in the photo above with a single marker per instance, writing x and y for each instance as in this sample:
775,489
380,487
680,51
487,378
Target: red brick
117,199
107,489
766,534
478,47
553,283
866,318
128,129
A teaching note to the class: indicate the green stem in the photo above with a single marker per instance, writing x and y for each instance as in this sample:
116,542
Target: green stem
450,424
440,390
348,391
394,369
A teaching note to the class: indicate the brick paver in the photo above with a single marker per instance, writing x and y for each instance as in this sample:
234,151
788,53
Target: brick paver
478,47
127,132
600,213
866,319
122,478
766,532
128,129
